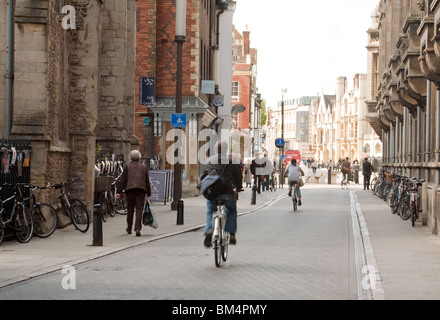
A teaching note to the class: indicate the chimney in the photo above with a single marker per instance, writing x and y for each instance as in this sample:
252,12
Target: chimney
247,42
356,82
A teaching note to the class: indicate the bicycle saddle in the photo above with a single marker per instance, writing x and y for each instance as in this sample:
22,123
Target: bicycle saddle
220,202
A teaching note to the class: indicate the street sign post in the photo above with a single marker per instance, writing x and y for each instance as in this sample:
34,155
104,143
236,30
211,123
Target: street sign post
178,120
279,143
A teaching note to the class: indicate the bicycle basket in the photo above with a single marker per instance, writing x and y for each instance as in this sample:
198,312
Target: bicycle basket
103,184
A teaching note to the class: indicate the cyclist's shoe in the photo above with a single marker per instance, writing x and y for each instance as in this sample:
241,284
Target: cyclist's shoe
232,239
299,202
128,230
208,240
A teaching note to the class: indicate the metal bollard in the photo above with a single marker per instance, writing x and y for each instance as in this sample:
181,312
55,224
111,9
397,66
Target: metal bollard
180,212
97,226
254,195
329,176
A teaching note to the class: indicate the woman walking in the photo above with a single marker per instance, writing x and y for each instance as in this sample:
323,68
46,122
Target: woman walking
136,183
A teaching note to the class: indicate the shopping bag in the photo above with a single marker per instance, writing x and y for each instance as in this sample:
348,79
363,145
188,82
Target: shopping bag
154,225
147,215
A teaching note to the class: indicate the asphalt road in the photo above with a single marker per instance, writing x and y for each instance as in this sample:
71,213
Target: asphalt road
280,255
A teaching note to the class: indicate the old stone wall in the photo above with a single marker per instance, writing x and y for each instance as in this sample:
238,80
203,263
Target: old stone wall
117,81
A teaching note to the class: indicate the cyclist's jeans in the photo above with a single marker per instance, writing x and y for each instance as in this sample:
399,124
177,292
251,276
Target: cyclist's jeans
231,213
298,189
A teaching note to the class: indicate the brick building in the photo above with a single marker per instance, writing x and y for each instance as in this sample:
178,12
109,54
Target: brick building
246,103
156,61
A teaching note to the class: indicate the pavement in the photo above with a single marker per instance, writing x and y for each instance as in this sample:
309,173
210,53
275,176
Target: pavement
403,262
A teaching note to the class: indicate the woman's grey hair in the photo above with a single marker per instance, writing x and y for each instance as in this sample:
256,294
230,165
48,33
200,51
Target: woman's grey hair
135,155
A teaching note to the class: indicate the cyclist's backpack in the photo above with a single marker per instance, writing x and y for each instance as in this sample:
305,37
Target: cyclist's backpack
213,184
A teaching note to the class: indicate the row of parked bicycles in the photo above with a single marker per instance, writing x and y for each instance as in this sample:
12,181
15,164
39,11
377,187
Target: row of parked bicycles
24,216
400,192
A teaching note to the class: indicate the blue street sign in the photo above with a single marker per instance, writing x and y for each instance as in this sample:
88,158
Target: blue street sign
279,143
178,120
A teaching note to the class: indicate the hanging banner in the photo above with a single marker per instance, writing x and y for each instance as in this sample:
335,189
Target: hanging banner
146,91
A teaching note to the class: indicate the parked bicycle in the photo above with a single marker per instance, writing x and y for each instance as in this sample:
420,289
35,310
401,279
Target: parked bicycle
73,208
15,216
44,215
120,204
414,200
103,190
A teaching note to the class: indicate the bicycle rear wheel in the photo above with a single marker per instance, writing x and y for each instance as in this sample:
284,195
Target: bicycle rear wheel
45,220
23,224
218,244
79,215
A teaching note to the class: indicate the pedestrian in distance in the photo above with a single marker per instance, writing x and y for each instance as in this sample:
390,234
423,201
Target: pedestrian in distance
247,174
345,168
356,168
136,183
367,170
257,166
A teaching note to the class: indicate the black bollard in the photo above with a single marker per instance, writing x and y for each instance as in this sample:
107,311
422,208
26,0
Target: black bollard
180,212
329,176
254,195
97,226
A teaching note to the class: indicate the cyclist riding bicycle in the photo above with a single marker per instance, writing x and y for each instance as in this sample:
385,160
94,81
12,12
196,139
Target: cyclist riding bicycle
292,173
345,168
230,170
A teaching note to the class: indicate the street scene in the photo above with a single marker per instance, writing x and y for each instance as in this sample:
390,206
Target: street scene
219,151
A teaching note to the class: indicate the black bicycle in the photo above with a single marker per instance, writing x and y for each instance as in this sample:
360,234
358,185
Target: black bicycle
73,208
44,215
15,216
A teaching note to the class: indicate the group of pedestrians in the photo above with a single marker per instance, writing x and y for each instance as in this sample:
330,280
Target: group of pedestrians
259,170
367,170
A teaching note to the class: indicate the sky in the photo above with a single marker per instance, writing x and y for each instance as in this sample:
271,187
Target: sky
304,45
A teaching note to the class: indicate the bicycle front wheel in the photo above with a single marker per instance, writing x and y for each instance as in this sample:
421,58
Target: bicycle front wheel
225,246
2,233
373,185
405,212
103,201
45,220
79,215
413,214
23,224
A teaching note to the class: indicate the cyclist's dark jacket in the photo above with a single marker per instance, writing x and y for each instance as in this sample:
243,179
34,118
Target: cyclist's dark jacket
232,171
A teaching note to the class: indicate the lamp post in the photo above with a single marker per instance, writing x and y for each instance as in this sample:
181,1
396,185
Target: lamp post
180,38
282,137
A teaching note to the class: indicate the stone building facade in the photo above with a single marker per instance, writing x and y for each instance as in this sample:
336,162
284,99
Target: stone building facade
404,102
340,125
73,85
